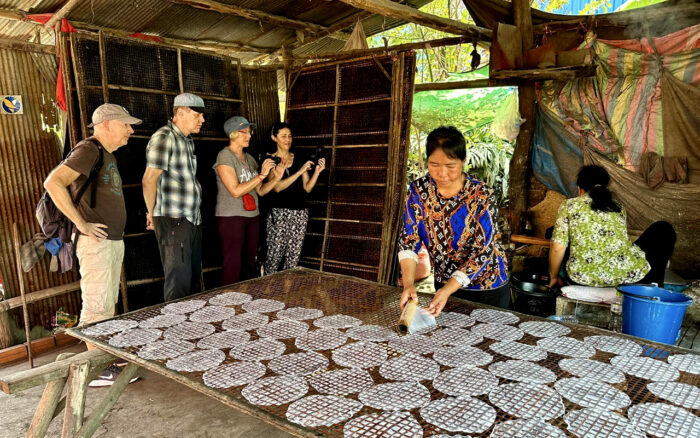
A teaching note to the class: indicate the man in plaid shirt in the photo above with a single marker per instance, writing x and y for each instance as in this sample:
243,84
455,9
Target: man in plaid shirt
173,196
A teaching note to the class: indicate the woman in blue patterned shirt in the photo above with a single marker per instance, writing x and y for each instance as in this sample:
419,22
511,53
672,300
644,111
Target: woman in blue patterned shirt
454,217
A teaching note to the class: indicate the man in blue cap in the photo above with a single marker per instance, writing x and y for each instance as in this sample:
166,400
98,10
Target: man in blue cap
173,197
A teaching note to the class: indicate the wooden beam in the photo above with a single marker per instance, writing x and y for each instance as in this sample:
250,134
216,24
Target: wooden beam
624,18
75,399
251,14
520,162
388,8
101,410
65,9
542,74
459,85
337,27
348,54
26,46
47,405
215,46
39,295
22,380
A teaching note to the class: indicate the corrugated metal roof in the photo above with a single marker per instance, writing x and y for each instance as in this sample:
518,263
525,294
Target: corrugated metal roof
167,19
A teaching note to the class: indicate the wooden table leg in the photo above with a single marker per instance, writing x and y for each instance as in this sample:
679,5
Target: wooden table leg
75,399
116,390
47,405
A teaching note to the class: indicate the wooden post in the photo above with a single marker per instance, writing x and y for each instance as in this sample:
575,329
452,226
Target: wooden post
520,163
20,276
124,291
100,412
47,405
75,399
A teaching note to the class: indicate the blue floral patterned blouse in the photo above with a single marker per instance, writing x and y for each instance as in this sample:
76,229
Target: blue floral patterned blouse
460,233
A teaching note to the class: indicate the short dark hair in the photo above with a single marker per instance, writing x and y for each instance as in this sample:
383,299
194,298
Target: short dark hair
450,140
594,180
278,126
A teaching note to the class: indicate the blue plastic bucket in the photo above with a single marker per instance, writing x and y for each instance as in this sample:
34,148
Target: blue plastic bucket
653,313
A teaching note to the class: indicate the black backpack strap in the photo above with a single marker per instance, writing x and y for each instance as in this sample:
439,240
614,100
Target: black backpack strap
92,177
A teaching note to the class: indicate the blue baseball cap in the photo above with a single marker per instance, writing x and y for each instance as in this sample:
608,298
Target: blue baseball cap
236,123
189,100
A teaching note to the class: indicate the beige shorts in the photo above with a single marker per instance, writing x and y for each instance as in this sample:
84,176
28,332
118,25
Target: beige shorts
100,270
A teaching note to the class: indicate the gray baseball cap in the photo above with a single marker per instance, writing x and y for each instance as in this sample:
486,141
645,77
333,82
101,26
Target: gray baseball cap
189,100
111,111
236,123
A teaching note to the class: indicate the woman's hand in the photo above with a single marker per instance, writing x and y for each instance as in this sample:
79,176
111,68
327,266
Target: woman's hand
438,303
267,166
305,168
408,294
278,173
556,281
320,166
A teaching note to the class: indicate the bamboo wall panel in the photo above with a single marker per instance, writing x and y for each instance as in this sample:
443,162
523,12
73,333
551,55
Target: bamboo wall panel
357,112
27,155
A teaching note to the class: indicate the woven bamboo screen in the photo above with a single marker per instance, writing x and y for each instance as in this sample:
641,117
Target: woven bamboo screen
144,77
358,113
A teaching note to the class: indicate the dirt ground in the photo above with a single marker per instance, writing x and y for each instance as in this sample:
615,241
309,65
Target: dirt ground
153,406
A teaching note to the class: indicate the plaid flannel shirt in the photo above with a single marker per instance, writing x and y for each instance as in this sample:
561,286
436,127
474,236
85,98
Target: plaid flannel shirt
179,193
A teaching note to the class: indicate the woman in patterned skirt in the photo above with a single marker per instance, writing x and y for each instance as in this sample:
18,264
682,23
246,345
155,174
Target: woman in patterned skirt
454,216
591,232
286,222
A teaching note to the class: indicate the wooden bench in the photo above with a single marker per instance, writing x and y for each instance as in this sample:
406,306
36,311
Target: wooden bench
74,371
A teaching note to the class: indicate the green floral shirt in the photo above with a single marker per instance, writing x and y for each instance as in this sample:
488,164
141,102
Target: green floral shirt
601,253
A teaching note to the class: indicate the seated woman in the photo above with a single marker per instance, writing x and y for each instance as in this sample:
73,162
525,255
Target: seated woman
594,228
454,217
239,186
286,223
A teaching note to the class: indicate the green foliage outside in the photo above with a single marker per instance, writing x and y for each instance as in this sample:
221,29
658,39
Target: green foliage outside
470,110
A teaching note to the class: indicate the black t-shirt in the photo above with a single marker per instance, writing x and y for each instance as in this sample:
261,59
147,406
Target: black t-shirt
294,196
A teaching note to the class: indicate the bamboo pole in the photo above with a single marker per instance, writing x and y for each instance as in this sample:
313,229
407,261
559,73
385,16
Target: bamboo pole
78,73
251,14
62,13
61,42
20,275
388,8
103,66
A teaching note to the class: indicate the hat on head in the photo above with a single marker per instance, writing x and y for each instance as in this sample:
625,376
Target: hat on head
236,123
110,111
189,100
